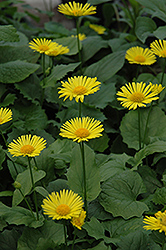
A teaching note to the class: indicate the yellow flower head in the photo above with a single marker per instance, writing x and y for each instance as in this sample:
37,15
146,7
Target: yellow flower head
79,221
140,55
76,9
81,129
42,45
156,223
157,88
80,36
98,28
79,86
58,49
27,145
63,205
5,115
136,95
159,48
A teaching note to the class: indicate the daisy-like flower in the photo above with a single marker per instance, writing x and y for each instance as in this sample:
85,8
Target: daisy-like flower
140,55
80,36
42,45
136,95
27,145
76,9
58,49
79,86
63,205
81,129
159,48
79,221
5,115
156,223
157,88
98,28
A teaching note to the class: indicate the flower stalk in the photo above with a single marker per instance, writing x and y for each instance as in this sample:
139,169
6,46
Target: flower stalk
139,127
78,44
84,174
33,186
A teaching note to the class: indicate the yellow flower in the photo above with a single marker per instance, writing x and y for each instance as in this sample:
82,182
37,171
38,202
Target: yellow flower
81,129
41,45
78,87
136,95
159,48
141,56
156,223
79,221
76,9
80,36
98,28
63,205
58,49
5,115
157,88
27,145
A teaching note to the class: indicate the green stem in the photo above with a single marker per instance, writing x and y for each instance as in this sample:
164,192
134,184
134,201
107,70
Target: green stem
78,44
27,203
138,69
34,192
35,162
162,77
130,14
84,174
72,248
80,108
6,144
44,77
146,126
14,166
65,234
139,127
163,243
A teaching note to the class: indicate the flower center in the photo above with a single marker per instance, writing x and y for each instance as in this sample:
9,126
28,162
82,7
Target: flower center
43,47
137,97
164,52
77,221
79,90
27,149
139,58
63,209
82,132
77,12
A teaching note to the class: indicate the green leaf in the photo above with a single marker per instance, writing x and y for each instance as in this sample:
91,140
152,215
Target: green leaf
36,238
129,126
103,96
160,196
16,71
92,44
6,193
42,191
100,246
95,2
23,53
102,144
155,147
101,69
137,240
58,72
24,179
115,165
94,228
160,32
9,99
96,210
8,33
9,238
155,8
54,27
71,43
119,194
144,27
2,156
19,216
75,173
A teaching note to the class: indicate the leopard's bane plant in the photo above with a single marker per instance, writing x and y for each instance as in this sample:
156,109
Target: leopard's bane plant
97,28
30,146
82,129
63,205
77,10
